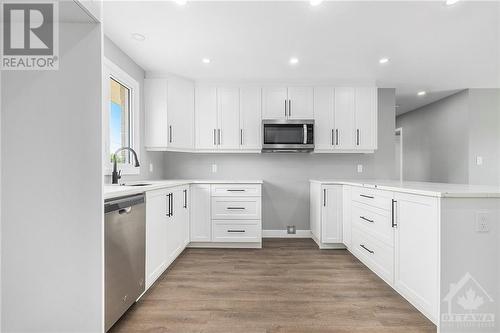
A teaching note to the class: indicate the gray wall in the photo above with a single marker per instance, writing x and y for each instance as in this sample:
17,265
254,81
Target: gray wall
442,140
52,205
436,142
286,176
122,60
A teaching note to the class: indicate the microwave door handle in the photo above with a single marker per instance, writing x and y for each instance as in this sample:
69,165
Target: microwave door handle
305,134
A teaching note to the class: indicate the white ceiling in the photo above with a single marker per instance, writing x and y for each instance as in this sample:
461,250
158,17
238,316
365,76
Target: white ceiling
432,47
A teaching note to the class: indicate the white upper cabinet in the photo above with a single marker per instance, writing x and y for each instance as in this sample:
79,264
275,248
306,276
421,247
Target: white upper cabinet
180,112
287,103
228,118
169,114
324,118
300,103
206,118
274,103
155,95
250,118
345,102
366,118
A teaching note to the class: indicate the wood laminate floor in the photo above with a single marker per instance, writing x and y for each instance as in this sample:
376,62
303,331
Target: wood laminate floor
288,286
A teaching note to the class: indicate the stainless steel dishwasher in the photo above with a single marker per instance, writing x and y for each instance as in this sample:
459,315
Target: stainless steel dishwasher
125,251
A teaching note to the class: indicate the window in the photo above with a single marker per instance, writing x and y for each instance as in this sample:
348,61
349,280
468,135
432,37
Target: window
121,118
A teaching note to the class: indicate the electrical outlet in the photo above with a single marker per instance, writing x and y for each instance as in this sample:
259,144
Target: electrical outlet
479,160
214,168
360,168
482,222
290,229
150,167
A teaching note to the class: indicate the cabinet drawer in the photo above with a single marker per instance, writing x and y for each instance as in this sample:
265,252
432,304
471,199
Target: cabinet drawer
375,221
376,255
373,197
236,190
236,231
246,208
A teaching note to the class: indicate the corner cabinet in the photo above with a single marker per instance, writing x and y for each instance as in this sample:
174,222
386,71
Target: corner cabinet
228,119
326,215
345,119
169,114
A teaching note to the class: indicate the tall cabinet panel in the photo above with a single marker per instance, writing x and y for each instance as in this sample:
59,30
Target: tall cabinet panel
324,124
344,118
366,118
200,218
180,114
250,118
228,118
155,96
206,117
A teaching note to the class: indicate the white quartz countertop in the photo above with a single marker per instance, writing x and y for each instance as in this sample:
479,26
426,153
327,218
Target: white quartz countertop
422,188
115,191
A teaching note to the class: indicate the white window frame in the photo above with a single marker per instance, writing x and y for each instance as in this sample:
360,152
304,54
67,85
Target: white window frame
111,70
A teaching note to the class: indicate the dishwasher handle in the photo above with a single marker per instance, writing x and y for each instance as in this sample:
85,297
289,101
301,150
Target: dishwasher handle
122,205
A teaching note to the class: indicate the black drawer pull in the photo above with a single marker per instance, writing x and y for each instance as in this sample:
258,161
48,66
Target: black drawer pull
367,249
366,196
367,220
236,231
236,208
234,190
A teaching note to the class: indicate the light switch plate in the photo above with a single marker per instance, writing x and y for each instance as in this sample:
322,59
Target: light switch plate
150,167
482,221
360,168
479,160
214,168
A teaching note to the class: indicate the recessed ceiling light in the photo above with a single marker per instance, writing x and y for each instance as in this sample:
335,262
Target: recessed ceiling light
180,2
451,2
422,93
205,60
383,60
315,2
294,61
139,37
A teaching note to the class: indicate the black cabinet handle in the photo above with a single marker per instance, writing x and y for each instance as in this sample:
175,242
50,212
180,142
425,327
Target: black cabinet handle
336,137
185,198
324,197
236,231
285,109
235,190
367,249
289,107
367,220
393,208
215,137
169,205
333,138
366,196
235,208
170,133
357,137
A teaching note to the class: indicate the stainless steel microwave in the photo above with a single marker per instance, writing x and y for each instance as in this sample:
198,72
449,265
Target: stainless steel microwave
288,135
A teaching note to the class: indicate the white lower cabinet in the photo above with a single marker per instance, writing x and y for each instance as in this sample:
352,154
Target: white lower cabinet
416,275
226,213
167,229
326,215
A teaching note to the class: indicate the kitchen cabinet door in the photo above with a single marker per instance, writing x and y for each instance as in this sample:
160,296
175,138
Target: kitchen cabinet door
301,104
324,128
228,118
274,100
183,215
250,118
156,234
417,251
346,215
331,214
200,217
366,118
344,118
180,114
206,117
155,101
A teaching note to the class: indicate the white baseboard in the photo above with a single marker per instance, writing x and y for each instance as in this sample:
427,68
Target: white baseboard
283,234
